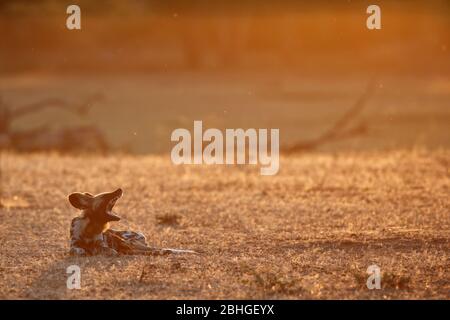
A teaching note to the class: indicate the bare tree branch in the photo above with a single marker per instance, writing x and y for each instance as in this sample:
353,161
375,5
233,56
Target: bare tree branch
336,131
81,108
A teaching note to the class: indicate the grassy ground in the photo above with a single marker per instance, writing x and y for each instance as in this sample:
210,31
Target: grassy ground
309,232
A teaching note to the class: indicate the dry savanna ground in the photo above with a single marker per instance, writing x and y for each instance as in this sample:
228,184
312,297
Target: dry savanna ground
309,232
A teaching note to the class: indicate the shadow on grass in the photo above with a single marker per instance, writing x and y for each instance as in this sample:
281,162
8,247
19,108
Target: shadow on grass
395,243
52,282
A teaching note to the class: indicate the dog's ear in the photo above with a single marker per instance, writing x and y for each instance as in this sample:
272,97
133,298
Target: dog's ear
81,201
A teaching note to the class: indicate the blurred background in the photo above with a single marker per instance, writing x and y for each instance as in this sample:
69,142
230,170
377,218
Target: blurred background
139,69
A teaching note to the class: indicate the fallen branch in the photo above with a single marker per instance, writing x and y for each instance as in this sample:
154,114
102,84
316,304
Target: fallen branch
80,108
336,131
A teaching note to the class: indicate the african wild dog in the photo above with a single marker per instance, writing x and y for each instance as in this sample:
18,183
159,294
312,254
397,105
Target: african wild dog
90,233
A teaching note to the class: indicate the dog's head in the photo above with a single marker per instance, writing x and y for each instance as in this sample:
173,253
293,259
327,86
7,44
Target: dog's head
98,207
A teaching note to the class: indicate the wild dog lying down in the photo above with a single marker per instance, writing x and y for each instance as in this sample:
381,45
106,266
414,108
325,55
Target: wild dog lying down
90,233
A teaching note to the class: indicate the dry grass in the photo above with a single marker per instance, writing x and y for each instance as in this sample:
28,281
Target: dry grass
309,232
168,219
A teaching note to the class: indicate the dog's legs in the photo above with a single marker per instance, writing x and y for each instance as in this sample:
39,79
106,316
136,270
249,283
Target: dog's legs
101,247
159,251
76,244
77,251
136,244
76,248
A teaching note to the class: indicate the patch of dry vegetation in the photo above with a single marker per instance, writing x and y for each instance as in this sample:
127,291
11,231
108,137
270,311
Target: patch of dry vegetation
168,218
309,232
